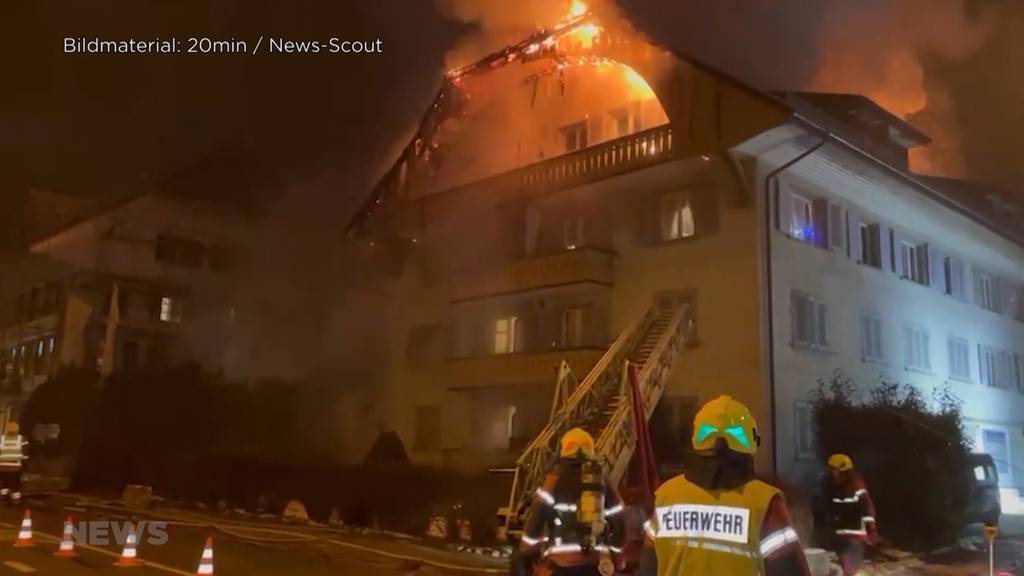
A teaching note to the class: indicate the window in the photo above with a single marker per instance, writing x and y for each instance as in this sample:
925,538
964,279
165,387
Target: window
572,327
803,219
170,309
816,221
618,123
52,344
995,443
804,431
955,286
505,334
575,136
572,233
988,363
427,428
871,245
916,342
988,292
40,347
870,337
914,262
178,251
676,217
959,359
809,321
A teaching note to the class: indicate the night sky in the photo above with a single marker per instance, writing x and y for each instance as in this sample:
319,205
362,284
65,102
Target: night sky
106,125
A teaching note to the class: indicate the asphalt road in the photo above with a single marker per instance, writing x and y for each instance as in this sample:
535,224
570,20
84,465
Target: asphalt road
181,552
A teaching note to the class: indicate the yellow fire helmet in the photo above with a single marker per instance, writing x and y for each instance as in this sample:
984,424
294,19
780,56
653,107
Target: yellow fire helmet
575,442
840,461
729,420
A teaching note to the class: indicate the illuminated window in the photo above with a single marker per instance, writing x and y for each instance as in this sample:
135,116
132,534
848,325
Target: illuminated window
572,233
575,136
871,337
505,335
809,321
676,217
618,123
959,359
803,219
917,353
170,309
40,347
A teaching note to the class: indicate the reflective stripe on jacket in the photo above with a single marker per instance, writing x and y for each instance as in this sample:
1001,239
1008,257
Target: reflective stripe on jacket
697,531
11,453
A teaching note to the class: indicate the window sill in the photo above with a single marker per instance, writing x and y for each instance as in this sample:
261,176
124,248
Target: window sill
960,379
870,265
823,350
681,240
876,361
919,370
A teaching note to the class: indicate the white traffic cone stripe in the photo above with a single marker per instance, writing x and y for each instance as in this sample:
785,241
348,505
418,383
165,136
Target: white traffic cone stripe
208,554
129,553
205,569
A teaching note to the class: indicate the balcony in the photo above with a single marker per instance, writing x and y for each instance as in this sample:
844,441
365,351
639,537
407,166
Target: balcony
523,368
583,265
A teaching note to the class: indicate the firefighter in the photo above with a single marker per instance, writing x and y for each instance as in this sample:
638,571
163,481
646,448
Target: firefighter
851,512
575,525
718,519
11,457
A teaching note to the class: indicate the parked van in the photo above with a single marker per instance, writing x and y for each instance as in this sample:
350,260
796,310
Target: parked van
983,503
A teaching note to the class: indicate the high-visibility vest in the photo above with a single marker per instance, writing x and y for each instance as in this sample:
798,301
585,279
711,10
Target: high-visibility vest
702,532
10,451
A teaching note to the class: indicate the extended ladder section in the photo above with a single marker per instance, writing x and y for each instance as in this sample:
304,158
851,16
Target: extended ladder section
600,404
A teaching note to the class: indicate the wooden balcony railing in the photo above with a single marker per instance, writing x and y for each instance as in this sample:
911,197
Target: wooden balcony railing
518,368
603,160
570,267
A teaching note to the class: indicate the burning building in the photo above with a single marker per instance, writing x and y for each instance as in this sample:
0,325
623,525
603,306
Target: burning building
588,197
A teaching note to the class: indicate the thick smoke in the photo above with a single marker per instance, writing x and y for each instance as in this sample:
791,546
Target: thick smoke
944,65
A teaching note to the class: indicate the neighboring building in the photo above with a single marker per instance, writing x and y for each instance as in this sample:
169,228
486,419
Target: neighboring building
537,226
139,284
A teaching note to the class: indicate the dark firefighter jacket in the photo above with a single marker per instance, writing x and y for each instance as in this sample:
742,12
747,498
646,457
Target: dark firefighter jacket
851,511
552,528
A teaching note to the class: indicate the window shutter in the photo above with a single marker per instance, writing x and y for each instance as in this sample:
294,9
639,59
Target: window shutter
836,228
704,201
784,207
885,236
921,257
666,213
1009,293
856,250
936,269
820,217
956,279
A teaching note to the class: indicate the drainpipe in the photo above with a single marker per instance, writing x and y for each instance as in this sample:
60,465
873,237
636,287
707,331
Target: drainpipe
768,285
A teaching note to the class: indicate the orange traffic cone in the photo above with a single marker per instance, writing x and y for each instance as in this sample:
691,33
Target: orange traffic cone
67,543
206,562
129,556
25,534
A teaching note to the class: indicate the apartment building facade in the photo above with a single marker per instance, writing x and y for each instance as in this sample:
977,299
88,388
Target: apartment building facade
789,223
140,284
